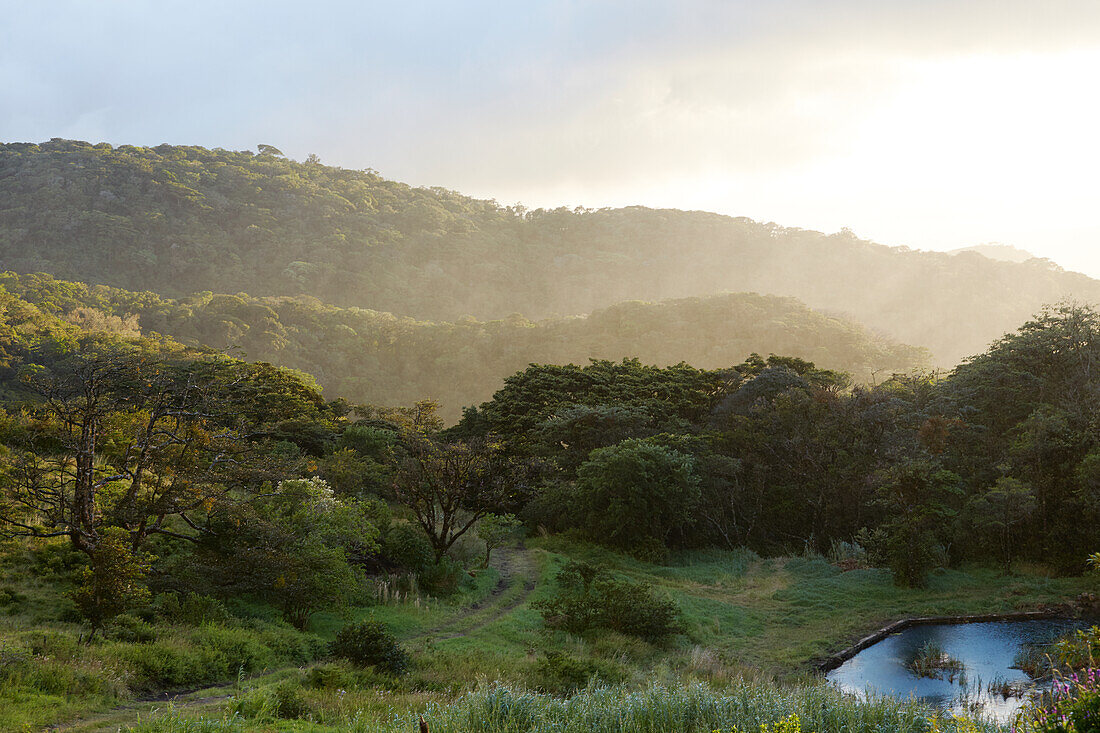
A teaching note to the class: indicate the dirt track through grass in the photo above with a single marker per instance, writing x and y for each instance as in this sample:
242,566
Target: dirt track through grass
517,580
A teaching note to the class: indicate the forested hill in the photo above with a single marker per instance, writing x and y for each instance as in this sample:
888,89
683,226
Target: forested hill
378,358
178,220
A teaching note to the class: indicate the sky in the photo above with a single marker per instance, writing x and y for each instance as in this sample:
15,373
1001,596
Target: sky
933,125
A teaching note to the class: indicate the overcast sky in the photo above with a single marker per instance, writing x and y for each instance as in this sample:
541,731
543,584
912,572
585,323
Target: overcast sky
928,124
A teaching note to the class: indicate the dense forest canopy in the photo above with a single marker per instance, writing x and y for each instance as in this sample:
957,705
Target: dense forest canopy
379,358
781,454
179,220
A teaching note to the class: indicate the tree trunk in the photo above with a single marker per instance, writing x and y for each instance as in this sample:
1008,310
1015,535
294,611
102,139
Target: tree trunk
83,532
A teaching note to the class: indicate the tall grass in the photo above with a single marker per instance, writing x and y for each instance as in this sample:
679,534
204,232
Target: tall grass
686,708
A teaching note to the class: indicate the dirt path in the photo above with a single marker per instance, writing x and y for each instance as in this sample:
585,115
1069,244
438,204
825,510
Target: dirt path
517,580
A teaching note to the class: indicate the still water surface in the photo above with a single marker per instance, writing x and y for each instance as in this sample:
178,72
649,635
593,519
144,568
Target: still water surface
987,651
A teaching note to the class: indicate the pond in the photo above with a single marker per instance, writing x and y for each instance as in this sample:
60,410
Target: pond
986,679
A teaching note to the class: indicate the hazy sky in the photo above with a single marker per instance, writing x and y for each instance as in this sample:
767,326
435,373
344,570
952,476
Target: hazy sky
929,124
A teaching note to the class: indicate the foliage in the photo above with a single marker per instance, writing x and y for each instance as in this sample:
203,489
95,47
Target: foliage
291,548
1079,650
634,494
591,598
184,219
558,673
369,643
1028,409
1072,706
997,512
380,358
448,487
496,529
406,547
113,582
918,496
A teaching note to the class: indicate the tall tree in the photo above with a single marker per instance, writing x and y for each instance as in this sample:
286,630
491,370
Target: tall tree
450,486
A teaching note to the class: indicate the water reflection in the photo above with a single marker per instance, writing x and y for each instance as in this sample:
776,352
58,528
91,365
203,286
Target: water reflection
988,682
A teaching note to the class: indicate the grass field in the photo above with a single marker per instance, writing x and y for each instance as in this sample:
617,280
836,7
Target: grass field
749,622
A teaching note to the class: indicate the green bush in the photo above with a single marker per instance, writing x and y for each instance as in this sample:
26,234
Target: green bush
59,560
591,598
208,654
11,600
114,582
369,643
126,627
283,701
55,644
405,546
331,676
635,494
289,703
560,674
442,578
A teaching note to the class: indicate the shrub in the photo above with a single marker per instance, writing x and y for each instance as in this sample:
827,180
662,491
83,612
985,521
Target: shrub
283,701
908,551
59,560
132,629
369,643
114,582
289,703
634,494
494,530
406,546
192,608
11,599
199,609
332,676
1080,649
561,674
591,598
442,578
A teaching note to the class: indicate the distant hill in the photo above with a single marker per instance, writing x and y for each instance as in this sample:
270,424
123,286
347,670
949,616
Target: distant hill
995,251
379,358
178,220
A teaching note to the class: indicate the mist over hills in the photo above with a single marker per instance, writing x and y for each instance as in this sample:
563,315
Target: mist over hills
179,220
373,357
997,251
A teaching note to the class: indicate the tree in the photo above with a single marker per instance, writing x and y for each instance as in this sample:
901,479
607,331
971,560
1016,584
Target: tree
918,497
450,486
632,495
998,511
494,530
148,442
292,548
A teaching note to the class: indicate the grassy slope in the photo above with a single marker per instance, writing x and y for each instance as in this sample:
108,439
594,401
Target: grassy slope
746,616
